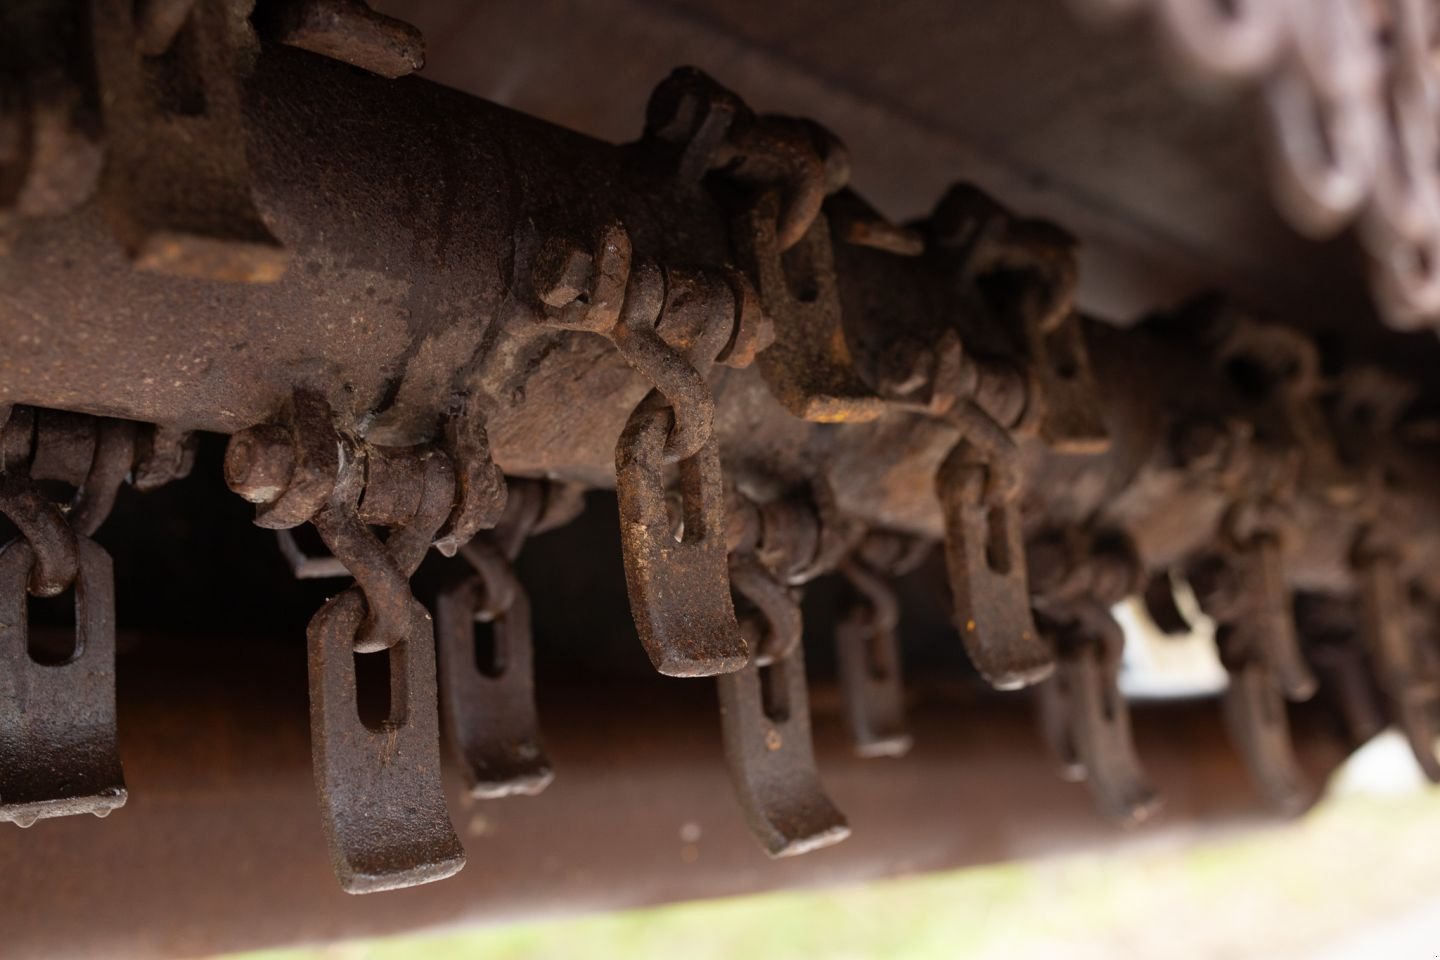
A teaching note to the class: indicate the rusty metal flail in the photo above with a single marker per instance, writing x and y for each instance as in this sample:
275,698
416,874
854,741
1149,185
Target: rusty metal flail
487,686
679,588
1079,576
1087,722
984,552
379,779
421,341
59,478
867,652
765,722
1247,621
382,803
383,809
1255,715
778,547
58,750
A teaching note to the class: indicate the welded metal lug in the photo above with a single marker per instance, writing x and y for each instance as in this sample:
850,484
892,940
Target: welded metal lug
1062,385
704,127
176,181
809,366
488,689
867,650
586,288
692,114
93,455
1086,720
1283,369
349,31
1023,273
162,454
984,556
679,589
381,798
114,456
765,725
1259,726
58,748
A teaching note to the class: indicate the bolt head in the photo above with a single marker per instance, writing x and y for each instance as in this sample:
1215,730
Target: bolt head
259,463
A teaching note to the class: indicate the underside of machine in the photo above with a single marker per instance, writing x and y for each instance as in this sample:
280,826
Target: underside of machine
673,449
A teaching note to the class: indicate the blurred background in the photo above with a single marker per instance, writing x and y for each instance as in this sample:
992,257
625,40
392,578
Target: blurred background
1355,879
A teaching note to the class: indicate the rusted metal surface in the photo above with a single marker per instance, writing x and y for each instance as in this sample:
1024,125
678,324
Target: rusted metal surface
419,315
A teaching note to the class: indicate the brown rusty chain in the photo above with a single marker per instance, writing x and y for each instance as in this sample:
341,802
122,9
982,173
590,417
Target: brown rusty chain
1241,583
382,570
58,749
679,589
1243,587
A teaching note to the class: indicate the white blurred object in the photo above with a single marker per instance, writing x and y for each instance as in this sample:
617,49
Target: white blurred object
1161,666
1383,767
